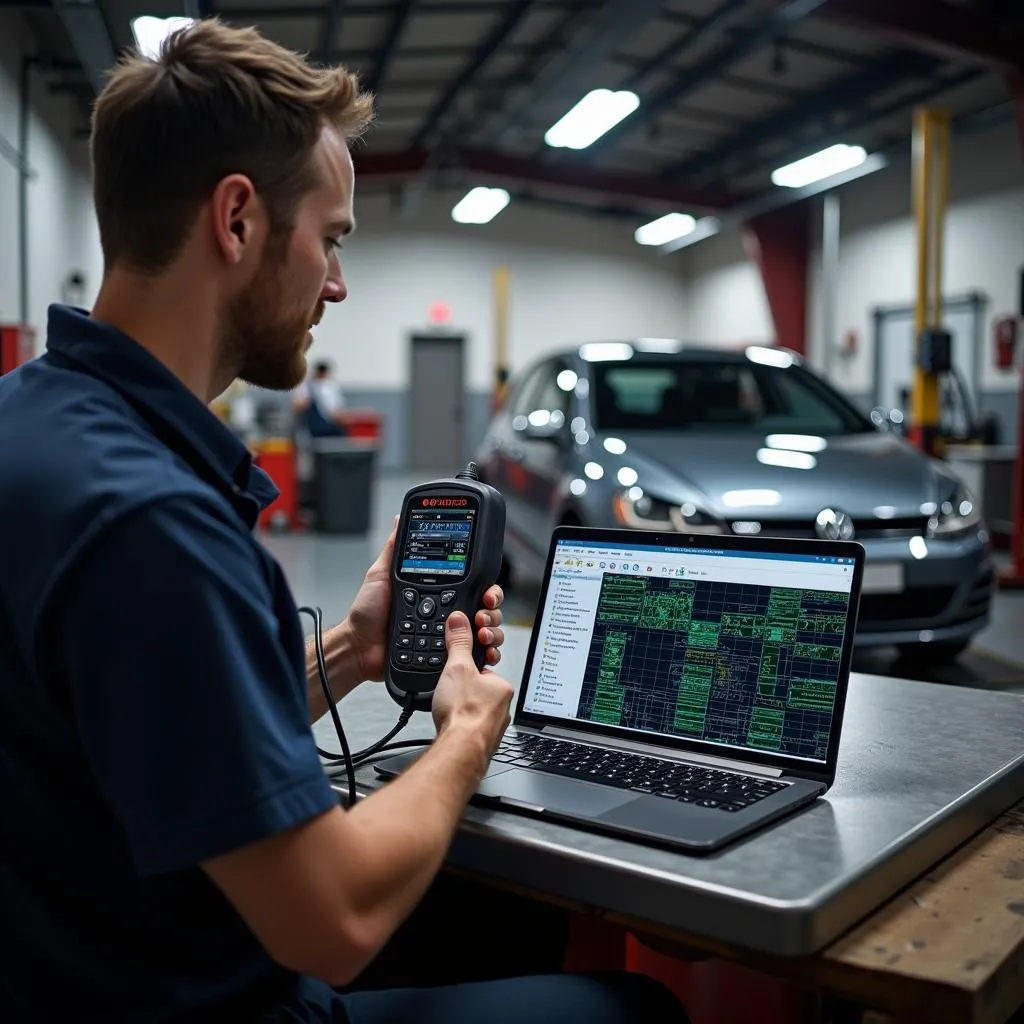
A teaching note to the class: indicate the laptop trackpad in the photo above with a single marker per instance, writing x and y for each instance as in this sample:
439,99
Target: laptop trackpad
551,792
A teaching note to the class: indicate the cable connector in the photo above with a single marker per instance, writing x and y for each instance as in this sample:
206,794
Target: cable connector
469,473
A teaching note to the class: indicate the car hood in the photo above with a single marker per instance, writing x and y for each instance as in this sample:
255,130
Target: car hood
857,473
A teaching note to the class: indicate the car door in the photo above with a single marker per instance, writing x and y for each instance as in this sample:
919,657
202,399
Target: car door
504,461
541,423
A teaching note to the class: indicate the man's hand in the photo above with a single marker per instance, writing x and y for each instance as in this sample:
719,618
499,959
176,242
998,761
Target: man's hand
368,618
357,649
467,698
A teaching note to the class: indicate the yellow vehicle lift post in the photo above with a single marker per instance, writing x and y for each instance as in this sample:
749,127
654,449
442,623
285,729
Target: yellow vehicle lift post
932,344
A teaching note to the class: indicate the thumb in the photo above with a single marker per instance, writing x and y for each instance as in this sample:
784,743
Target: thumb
459,635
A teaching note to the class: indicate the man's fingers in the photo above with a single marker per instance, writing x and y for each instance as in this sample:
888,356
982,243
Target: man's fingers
494,597
485,618
491,637
383,562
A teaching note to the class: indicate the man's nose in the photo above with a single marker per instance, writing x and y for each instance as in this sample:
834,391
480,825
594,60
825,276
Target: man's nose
335,289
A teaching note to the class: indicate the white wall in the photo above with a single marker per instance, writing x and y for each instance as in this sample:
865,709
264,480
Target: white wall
724,293
572,279
984,249
62,231
984,252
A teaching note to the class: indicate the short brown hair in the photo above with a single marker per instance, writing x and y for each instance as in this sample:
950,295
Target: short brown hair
218,100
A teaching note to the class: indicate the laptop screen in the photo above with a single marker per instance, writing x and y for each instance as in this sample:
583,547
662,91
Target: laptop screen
741,649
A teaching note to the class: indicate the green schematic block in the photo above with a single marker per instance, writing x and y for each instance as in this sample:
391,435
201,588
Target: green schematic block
819,652
609,695
767,672
780,623
694,689
703,634
766,728
812,694
737,624
622,600
670,608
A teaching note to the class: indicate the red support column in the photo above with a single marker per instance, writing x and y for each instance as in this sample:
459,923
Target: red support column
1014,577
779,242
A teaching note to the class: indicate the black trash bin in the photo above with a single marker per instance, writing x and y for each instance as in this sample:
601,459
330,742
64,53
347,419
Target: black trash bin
344,473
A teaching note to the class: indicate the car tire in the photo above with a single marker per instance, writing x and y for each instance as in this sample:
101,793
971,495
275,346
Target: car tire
942,653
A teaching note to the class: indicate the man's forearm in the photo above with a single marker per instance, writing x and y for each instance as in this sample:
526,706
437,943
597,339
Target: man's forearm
407,826
342,669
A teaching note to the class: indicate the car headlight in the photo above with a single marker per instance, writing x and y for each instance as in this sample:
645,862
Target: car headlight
640,511
956,515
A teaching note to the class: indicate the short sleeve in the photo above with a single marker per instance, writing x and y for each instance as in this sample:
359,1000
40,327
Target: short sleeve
191,713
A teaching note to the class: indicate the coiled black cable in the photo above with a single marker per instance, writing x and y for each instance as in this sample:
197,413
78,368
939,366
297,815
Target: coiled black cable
347,758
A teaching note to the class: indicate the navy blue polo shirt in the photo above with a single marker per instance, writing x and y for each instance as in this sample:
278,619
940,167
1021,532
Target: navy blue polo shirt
152,692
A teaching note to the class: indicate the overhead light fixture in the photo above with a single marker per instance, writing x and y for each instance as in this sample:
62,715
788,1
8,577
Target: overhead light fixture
480,205
151,33
818,166
665,229
598,111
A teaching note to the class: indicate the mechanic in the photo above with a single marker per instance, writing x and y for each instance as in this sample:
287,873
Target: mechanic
170,848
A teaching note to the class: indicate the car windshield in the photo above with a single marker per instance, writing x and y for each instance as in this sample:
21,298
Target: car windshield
710,396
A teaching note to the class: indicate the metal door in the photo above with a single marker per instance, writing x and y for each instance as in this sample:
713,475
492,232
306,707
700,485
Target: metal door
894,349
436,403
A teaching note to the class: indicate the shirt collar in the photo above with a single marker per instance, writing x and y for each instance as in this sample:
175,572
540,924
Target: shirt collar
181,420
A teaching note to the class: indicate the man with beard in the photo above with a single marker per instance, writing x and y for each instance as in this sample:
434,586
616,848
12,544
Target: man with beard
170,849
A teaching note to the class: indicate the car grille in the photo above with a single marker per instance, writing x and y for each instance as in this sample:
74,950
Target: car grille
864,529
921,602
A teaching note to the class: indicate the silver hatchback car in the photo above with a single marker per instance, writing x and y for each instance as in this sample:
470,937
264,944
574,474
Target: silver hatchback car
655,434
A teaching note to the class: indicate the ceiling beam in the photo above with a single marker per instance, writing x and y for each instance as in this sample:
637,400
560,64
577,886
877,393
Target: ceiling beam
84,24
387,50
412,165
850,92
330,23
510,168
572,67
951,32
503,28
770,28
719,22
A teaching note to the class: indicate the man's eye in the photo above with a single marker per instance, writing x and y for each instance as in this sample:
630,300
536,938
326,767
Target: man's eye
332,245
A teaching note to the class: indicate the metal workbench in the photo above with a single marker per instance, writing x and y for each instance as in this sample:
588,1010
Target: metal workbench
922,767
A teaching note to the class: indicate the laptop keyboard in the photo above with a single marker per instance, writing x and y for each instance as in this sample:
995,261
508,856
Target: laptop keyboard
688,783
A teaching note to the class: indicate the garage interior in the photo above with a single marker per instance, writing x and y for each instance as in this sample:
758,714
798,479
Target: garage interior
898,279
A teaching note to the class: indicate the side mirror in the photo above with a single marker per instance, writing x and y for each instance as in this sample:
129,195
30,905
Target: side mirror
541,425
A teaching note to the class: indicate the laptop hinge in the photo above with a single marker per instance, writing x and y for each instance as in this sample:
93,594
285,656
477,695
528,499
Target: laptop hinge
685,756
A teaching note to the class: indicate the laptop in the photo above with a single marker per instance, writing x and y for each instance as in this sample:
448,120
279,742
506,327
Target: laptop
678,690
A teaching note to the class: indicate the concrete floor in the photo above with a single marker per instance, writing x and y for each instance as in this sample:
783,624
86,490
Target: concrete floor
328,570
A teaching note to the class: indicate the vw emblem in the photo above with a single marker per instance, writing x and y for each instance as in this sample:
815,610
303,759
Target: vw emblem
832,524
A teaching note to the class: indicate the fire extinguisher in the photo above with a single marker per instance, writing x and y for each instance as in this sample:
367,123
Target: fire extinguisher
1006,341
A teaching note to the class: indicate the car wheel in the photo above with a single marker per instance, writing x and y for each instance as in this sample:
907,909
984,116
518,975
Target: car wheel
941,653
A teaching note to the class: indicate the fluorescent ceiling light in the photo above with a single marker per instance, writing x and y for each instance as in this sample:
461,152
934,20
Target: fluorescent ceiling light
820,165
596,113
479,205
665,229
151,33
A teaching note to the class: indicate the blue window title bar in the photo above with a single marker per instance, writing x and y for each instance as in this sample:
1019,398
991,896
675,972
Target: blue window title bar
723,552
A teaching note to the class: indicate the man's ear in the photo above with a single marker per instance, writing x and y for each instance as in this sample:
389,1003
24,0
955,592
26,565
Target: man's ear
238,218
